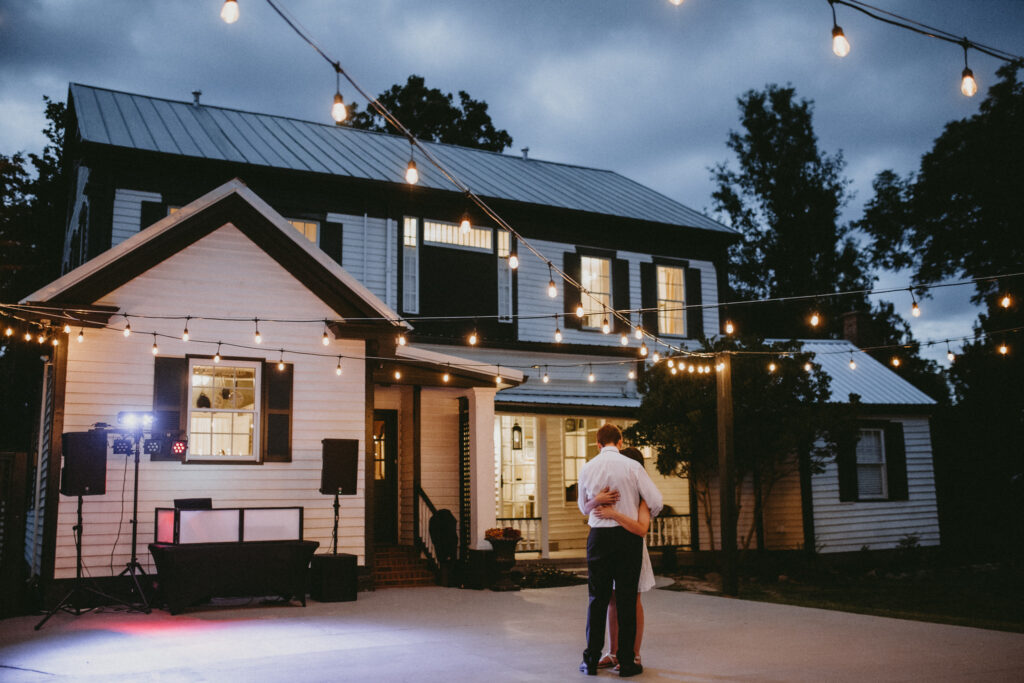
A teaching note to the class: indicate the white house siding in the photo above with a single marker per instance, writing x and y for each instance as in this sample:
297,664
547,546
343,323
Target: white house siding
532,285
128,213
439,447
221,275
368,252
844,526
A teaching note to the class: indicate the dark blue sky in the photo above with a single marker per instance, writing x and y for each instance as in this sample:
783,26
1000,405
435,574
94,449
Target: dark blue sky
641,87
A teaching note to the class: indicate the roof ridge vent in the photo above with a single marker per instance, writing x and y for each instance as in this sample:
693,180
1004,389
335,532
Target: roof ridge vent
526,153
196,94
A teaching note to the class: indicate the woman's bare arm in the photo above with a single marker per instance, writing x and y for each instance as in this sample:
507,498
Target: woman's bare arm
606,497
638,526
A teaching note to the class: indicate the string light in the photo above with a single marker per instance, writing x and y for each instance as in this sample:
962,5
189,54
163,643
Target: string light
280,362
513,260
772,367
81,336
915,310
656,357
464,224
671,363
808,367
447,376
184,335
412,175
590,377
67,328
472,338
579,310
631,374
398,374
497,378
156,349
401,339
337,370
643,350
691,369
719,367
257,337
338,111
216,356
229,11
673,370
545,378
8,331
55,341
28,335
853,364
840,45
638,332
895,361
325,340
1003,349
624,339
729,327
968,86
950,356
558,332
815,319
127,327
552,289
606,327
1005,301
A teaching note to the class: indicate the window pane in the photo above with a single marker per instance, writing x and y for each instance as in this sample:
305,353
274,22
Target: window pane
450,234
671,301
595,276
869,448
227,425
870,483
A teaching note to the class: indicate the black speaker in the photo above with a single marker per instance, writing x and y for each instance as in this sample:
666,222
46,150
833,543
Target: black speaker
85,464
340,467
333,578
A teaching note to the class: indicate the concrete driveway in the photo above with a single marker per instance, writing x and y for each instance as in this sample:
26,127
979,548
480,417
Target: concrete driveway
447,634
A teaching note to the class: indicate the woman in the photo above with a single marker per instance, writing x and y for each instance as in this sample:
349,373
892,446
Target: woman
603,506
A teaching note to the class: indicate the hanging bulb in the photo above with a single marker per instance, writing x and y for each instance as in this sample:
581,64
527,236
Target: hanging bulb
590,377
156,349
673,371
808,367
67,328
624,339
41,338
729,327
28,336
280,364
325,340
398,374
257,337
229,11
81,336
338,111
558,335
552,289
631,374
55,341
412,176
638,332
643,349
690,369
915,310
401,340
127,328
840,45
337,370
950,356
671,363
1005,301
656,357
446,377
513,261
184,335
968,86
216,356
605,326
772,367
1003,349
8,331
464,225
815,319
895,361
853,364
719,367
545,379
677,3
579,310
472,338
497,378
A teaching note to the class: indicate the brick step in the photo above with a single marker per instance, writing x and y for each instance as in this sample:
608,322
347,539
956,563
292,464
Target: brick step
396,566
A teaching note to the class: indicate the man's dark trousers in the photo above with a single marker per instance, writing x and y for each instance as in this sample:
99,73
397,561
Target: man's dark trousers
613,554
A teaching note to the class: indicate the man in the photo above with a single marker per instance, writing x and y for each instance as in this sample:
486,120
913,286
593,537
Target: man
614,554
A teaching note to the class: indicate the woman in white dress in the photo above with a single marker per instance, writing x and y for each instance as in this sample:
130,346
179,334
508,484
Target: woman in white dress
604,508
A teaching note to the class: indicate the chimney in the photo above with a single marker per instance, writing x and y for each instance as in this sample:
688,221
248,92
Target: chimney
196,94
857,328
526,153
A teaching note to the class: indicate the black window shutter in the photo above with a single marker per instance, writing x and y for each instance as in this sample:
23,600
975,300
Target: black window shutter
846,462
151,213
649,297
331,238
694,298
896,461
620,292
571,293
277,413
170,400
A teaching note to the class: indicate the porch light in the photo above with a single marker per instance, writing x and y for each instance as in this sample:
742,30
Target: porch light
631,374
517,437
412,175
41,338
497,377
55,341
229,11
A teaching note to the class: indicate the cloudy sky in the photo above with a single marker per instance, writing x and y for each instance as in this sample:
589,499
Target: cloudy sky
641,87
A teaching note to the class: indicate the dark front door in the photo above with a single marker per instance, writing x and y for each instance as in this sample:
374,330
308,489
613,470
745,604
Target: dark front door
385,476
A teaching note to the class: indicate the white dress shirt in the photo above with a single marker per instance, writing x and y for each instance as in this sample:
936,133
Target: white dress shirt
611,469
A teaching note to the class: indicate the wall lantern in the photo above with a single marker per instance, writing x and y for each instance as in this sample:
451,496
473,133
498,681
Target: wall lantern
517,437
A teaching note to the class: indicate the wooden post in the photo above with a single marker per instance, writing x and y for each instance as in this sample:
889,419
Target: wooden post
726,475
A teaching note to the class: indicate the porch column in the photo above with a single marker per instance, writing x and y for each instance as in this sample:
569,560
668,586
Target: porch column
481,465
541,434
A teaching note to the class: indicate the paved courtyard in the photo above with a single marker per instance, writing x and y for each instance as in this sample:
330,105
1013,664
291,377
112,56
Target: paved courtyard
447,634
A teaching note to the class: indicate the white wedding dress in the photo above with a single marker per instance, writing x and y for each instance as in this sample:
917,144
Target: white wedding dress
646,573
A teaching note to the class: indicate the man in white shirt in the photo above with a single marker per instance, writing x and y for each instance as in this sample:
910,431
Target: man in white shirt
614,554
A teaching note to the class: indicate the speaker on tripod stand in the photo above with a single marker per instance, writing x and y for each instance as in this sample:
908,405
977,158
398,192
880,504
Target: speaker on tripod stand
333,577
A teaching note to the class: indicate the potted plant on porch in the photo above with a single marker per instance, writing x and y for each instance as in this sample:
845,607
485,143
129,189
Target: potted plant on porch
503,541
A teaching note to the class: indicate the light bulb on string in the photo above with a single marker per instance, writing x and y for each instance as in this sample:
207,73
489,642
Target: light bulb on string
280,362
497,377
638,332
915,310
338,111
968,86
184,334
229,11
156,349
398,374
656,357
606,326
326,339
216,356
673,370
590,377
729,327
412,174
808,367
815,319
691,369
552,289
643,349
127,327
464,224
28,335
840,45
579,310
41,338
401,340
631,374
719,367
473,339
257,337
853,364
337,370
446,377
558,336
772,367
8,331
950,356
55,341
513,260
896,361
81,336
624,339
1005,301
1003,349
67,328
546,378
671,363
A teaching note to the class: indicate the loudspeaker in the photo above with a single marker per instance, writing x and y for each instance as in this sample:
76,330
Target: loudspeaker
333,578
85,464
340,466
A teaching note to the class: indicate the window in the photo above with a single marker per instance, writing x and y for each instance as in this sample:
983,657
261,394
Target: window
504,278
595,276
410,266
871,469
451,235
671,301
579,445
516,467
223,411
308,229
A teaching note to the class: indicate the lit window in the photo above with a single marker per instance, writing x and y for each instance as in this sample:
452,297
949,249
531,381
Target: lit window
671,301
410,266
595,276
223,413
504,278
871,471
451,235
308,229
516,467
579,445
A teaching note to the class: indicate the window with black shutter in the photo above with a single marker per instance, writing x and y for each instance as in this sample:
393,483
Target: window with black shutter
331,239
620,293
874,467
649,297
571,295
277,413
170,401
694,300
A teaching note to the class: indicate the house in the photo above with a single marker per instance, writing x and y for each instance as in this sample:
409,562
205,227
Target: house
312,236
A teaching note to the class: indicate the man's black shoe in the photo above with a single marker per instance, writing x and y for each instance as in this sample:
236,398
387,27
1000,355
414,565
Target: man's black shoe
589,666
631,669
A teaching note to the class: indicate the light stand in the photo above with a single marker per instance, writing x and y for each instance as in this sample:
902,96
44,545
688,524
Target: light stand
134,568
69,602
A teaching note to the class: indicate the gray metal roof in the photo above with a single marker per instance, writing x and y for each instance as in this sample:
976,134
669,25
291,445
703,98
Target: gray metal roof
149,123
873,381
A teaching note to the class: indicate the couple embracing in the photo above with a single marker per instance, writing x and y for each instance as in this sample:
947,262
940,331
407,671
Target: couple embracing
620,499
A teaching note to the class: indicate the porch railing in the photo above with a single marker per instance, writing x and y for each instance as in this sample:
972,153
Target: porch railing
529,527
669,531
425,510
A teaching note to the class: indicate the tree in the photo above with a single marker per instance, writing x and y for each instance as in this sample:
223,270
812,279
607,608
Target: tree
785,197
32,200
433,115
959,216
779,417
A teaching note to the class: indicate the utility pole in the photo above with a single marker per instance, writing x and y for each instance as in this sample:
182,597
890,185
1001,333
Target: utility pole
726,474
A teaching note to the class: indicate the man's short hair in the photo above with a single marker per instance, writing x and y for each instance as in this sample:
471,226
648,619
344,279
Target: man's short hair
608,435
633,453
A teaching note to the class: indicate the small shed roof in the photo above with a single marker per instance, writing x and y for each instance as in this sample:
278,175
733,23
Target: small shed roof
147,123
875,383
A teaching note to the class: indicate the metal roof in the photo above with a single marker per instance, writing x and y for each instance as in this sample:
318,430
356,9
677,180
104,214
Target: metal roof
871,380
148,123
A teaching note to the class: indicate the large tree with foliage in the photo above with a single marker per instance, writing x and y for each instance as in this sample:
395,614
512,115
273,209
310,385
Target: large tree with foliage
434,115
960,215
32,203
779,417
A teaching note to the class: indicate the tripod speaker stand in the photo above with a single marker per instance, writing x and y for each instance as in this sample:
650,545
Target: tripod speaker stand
134,568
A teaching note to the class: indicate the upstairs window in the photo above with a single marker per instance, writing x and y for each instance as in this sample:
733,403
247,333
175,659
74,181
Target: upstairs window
309,229
871,470
223,412
671,301
451,235
595,276
410,266
504,278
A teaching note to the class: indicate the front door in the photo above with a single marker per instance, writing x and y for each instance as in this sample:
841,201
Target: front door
385,476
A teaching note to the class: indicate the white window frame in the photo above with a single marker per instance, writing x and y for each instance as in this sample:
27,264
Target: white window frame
671,311
410,265
587,440
256,411
518,483
863,462
596,302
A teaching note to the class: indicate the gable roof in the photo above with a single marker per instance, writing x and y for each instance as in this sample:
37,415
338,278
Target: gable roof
139,122
871,380
232,203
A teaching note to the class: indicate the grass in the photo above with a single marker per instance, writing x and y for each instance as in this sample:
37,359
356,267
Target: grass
982,596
